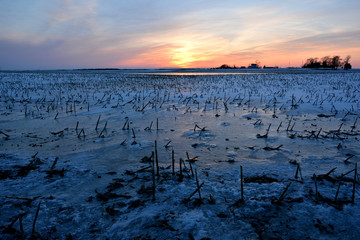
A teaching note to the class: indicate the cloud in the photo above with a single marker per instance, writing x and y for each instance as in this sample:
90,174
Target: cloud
74,53
163,33
328,40
72,10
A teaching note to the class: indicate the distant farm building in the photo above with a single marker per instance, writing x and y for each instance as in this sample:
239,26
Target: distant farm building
254,65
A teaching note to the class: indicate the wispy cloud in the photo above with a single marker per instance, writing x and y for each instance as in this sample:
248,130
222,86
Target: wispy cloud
331,40
73,10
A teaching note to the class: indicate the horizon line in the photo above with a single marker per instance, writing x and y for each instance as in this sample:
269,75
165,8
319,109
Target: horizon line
164,68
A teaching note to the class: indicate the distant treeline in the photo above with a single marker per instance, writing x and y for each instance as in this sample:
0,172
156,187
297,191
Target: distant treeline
226,66
328,62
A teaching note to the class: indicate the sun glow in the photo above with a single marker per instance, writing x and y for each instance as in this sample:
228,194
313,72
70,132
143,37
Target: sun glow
186,57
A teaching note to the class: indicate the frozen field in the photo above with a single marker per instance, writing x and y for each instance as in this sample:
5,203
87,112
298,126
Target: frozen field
76,153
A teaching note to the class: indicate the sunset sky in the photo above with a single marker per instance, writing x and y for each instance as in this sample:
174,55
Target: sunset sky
43,34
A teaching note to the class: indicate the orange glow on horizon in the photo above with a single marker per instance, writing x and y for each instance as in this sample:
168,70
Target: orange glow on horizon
189,56
183,48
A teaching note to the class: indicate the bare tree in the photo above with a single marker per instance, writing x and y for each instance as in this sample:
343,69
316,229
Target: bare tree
336,62
346,63
347,59
311,63
326,61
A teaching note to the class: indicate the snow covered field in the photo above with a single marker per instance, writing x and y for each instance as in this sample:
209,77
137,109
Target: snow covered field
157,155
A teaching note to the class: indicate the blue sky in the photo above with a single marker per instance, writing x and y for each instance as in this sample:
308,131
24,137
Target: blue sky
41,34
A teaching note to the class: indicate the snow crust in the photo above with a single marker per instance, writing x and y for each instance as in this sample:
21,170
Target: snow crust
281,127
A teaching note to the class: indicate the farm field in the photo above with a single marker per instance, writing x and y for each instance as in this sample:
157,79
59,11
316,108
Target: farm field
197,154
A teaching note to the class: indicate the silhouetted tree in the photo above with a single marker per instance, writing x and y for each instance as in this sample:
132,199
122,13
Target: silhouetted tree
312,63
347,59
347,66
336,62
327,62
224,66
346,63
